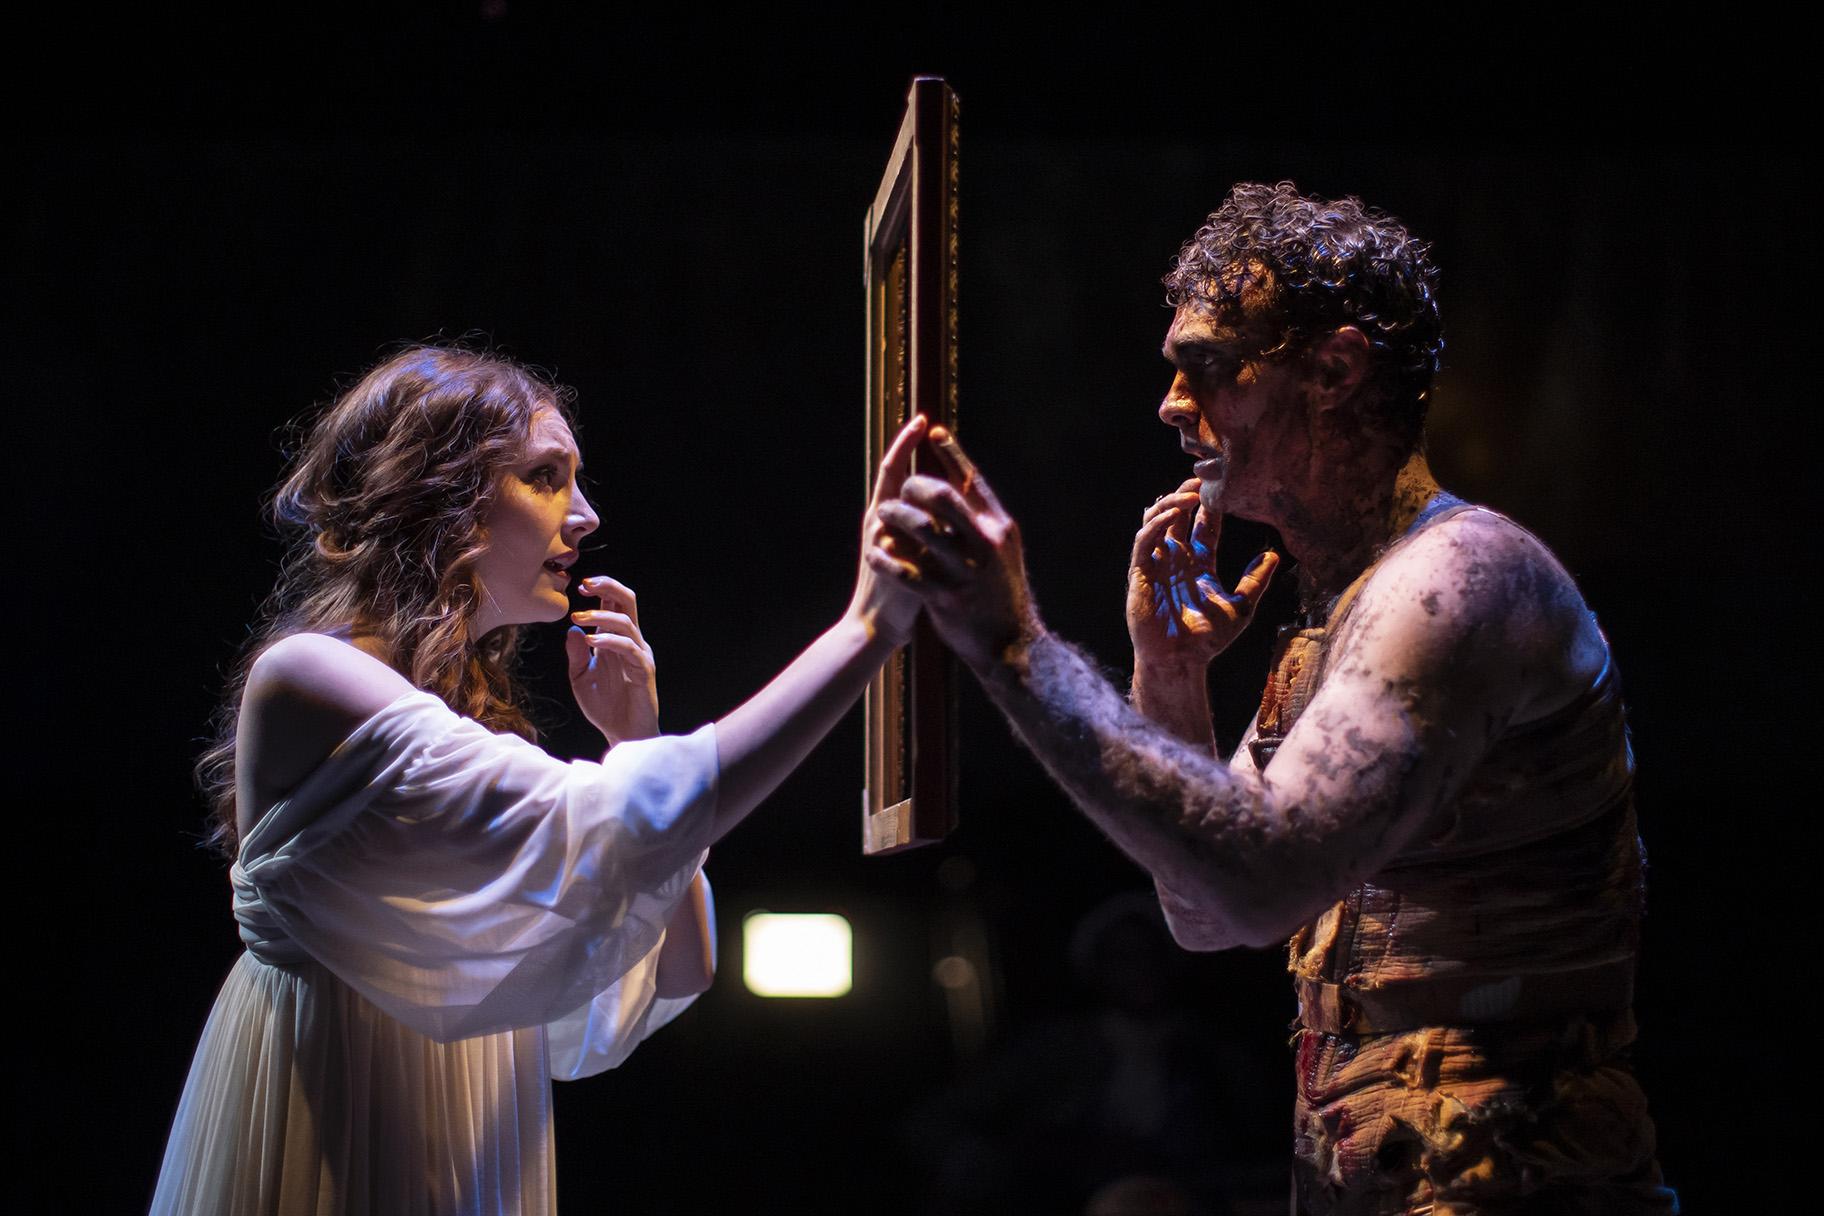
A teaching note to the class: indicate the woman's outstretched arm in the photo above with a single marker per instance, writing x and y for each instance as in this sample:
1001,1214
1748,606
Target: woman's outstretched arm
764,739
311,688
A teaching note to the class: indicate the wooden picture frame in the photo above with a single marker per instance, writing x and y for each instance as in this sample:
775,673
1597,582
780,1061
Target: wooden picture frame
910,243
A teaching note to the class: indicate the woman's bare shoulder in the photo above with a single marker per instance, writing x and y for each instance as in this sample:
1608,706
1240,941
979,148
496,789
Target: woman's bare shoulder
305,694
314,669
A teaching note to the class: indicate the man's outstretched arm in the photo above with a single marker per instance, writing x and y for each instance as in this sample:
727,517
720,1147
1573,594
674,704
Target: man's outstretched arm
1432,666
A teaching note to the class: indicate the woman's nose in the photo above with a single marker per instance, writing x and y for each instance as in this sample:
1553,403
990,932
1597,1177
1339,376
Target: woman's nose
583,519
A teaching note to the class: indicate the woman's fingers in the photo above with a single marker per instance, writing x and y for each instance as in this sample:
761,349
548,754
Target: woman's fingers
635,660
609,622
576,649
621,647
896,464
615,596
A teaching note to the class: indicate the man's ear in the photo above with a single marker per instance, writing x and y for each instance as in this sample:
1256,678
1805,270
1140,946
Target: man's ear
1339,367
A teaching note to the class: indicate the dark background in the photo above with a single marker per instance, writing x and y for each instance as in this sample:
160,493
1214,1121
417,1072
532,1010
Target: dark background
215,223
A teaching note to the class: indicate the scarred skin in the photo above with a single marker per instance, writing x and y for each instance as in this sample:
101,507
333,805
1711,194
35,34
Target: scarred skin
1466,630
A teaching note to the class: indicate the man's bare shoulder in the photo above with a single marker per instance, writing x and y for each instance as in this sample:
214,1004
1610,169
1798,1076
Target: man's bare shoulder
305,694
1479,593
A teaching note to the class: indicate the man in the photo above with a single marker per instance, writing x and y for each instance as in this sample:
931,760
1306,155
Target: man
1434,801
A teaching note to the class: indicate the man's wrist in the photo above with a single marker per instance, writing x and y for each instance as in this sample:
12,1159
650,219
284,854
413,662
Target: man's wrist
1174,669
1011,659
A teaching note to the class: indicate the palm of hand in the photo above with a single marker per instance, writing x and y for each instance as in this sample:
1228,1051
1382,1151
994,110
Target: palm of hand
620,702
612,673
1177,608
1182,603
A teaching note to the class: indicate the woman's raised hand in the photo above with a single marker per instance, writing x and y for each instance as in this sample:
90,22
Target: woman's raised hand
887,605
611,670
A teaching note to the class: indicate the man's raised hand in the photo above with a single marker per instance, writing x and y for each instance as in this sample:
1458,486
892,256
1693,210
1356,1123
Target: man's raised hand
950,541
1178,614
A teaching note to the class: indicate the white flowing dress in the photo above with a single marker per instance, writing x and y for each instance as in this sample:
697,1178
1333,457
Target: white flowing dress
438,920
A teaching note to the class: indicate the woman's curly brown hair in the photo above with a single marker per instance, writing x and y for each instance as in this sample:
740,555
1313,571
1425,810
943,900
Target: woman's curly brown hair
1325,265
382,507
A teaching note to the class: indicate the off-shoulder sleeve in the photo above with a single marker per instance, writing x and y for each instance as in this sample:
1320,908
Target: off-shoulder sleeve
466,882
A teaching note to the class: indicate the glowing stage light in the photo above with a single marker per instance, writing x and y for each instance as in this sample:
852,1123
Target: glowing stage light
796,954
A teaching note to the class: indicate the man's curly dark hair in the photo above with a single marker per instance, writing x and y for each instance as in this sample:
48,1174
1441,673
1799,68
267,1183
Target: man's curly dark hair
1324,265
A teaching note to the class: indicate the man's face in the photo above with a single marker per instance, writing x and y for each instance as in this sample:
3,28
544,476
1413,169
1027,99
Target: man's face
1239,415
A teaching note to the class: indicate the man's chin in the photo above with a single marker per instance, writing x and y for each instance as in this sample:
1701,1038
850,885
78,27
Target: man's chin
1216,498
1209,496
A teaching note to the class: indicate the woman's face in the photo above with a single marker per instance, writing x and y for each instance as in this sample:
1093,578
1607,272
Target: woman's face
535,527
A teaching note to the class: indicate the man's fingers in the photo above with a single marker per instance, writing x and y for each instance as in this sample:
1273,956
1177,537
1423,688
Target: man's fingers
881,562
936,555
1253,582
898,516
1148,538
1167,503
1180,530
963,473
896,464
946,507
1208,528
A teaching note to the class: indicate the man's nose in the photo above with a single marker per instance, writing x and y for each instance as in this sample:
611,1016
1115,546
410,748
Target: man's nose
1179,409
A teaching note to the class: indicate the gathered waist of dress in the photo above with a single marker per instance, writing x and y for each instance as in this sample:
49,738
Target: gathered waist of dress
261,932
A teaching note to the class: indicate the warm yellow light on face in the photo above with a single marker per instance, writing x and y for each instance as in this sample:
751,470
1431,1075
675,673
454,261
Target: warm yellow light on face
796,954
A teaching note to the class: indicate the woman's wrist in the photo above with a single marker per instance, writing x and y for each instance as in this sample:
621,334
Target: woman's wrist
875,625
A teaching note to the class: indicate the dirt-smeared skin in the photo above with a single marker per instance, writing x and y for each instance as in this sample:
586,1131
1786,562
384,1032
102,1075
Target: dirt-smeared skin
1468,628
1464,628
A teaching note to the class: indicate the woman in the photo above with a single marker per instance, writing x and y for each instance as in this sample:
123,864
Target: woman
438,915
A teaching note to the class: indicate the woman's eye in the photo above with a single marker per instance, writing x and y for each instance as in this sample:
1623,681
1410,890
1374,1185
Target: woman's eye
547,475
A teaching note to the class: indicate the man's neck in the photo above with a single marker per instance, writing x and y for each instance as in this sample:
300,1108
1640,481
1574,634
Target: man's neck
1337,530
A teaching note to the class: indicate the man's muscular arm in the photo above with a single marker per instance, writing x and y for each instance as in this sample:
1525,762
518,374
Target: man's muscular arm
1442,650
